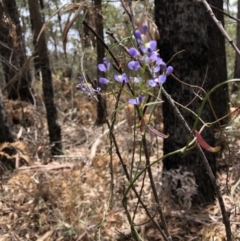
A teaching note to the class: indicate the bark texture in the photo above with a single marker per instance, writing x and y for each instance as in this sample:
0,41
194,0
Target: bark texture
217,71
237,58
184,25
13,53
52,119
101,105
5,133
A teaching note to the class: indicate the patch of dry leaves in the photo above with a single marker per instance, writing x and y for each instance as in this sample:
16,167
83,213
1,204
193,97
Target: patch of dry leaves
72,202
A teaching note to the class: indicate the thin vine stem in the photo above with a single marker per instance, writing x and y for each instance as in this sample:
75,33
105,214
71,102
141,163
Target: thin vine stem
206,165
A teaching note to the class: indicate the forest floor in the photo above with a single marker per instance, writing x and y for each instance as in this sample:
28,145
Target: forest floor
68,197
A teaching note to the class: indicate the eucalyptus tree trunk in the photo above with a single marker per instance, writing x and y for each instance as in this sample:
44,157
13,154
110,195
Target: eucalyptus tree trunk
237,58
48,92
13,52
217,65
185,26
101,104
5,136
5,132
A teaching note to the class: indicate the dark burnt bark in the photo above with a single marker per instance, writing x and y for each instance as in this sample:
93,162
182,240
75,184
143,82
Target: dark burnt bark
52,119
217,71
5,136
13,51
237,58
184,26
36,60
101,104
5,133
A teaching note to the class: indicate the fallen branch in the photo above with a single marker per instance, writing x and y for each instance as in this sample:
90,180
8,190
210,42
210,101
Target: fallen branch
44,167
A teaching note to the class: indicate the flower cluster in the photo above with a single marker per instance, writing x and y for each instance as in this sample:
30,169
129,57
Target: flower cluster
146,56
152,60
87,88
104,67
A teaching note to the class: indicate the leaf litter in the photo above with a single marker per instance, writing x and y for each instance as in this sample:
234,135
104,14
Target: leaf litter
67,197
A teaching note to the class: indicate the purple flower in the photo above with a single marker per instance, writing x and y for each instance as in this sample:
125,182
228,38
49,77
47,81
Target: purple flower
161,79
105,66
154,62
154,69
103,81
153,82
138,36
169,70
122,78
138,33
159,61
87,88
157,81
139,100
134,65
155,57
133,52
144,28
149,47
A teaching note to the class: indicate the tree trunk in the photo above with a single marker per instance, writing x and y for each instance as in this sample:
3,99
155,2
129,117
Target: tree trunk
184,26
5,136
217,71
237,58
53,125
5,133
101,104
13,51
36,60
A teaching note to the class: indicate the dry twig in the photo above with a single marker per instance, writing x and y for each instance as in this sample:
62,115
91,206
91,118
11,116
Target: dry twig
219,25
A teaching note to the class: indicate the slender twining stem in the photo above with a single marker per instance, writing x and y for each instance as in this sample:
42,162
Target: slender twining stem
118,152
134,232
154,187
111,173
133,187
126,171
223,12
134,145
165,229
206,165
140,194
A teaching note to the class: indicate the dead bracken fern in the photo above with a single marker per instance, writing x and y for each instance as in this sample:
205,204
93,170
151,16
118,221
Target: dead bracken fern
20,112
179,186
20,154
